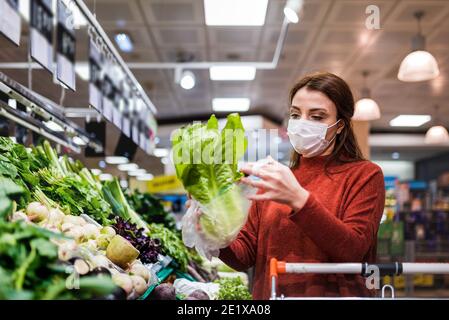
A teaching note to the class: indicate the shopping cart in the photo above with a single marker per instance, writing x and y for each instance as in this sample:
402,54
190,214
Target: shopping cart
364,269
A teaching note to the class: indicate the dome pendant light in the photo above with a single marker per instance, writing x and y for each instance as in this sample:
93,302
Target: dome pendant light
419,65
366,109
437,134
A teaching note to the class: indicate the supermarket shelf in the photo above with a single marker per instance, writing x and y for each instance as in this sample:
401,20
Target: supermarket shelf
47,110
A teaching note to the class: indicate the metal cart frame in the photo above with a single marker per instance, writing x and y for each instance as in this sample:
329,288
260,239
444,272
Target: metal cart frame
364,269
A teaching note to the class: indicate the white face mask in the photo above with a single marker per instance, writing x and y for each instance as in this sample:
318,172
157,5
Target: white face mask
308,137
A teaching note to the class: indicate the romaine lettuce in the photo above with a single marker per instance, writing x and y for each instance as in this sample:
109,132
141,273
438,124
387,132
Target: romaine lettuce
206,162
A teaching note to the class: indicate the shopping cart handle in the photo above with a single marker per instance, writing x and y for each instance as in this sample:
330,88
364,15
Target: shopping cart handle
276,267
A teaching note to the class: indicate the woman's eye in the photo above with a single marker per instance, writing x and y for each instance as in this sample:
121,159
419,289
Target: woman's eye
317,118
294,116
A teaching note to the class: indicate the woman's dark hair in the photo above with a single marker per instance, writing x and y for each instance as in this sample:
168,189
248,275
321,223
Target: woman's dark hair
337,90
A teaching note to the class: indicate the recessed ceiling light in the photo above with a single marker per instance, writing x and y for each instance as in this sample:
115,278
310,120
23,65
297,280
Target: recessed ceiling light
232,73
409,120
137,172
53,126
231,104
116,160
145,177
77,140
96,172
124,42
106,177
128,167
235,12
160,152
187,81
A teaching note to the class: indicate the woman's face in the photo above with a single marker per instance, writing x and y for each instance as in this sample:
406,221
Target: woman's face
315,106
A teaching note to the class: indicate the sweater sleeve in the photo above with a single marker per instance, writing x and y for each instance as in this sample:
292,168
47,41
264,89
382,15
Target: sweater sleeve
241,253
349,238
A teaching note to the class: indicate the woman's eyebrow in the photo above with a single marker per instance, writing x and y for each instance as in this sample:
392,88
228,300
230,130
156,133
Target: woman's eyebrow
318,109
310,110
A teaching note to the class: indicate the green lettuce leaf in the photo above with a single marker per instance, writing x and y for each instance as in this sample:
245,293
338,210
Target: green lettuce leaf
206,162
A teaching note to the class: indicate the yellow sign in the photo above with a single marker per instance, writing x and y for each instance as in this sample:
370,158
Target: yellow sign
165,184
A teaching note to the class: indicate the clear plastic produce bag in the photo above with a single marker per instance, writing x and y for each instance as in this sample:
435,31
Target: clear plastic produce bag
215,225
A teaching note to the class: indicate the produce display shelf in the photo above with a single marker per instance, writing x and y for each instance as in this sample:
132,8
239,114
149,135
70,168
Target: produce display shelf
161,275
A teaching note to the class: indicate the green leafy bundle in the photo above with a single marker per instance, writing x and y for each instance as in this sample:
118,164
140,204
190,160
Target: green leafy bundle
114,195
233,289
29,268
206,163
171,244
151,209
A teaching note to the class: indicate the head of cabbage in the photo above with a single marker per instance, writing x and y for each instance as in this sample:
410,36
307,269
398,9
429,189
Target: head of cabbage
206,161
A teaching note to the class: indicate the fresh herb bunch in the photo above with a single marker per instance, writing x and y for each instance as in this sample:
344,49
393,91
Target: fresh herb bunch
149,248
74,195
151,209
172,245
19,164
233,289
29,267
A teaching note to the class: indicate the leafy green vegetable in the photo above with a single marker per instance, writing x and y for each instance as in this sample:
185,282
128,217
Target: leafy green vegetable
74,195
233,289
206,163
172,245
114,195
8,191
151,209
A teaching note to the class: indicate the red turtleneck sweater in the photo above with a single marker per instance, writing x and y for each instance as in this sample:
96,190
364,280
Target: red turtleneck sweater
338,223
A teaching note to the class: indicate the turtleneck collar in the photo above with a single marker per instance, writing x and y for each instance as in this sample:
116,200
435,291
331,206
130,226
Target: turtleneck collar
314,163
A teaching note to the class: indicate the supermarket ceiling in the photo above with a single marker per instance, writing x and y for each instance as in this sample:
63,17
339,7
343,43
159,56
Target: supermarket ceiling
330,36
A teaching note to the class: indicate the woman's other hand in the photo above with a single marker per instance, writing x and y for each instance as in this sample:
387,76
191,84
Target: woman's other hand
277,183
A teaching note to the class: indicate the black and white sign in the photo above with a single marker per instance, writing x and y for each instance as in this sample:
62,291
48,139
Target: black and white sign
66,46
95,89
142,141
41,33
135,133
108,97
10,23
118,107
126,128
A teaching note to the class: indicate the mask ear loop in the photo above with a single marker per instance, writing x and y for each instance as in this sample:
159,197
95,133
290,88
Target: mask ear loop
336,133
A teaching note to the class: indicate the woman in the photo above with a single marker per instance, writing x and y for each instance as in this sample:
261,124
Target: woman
325,208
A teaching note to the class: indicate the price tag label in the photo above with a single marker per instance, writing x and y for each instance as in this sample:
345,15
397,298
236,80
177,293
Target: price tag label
41,33
142,141
117,118
126,127
108,97
66,46
95,77
10,24
135,134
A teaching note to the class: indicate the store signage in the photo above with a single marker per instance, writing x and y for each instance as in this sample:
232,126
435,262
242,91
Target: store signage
95,89
10,23
108,97
135,133
126,128
142,141
118,107
66,46
164,183
41,33
128,106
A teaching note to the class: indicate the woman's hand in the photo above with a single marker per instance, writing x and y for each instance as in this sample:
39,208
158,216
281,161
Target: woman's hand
277,183
197,212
